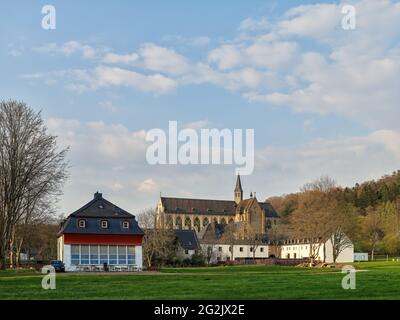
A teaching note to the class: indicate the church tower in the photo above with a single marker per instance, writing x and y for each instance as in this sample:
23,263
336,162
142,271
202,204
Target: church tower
238,190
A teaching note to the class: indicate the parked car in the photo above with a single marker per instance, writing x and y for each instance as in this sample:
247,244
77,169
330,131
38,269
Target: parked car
58,265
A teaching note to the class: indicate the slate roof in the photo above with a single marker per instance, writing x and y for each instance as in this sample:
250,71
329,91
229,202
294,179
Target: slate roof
187,239
101,208
198,206
94,212
215,233
210,207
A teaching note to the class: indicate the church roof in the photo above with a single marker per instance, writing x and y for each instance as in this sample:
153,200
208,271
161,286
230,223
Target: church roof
211,207
198,206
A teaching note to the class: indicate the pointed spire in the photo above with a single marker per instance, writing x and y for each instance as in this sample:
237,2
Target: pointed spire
238,190
238,184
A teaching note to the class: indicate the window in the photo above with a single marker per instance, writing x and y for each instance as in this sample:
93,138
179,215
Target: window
125,225
75,254
261,249
251,249
219,249
131,255
186,251
82,223
113,255
103,254
94,254
84,254
241,249
122,255
104,224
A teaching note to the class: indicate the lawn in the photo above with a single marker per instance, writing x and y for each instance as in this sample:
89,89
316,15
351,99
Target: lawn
380,280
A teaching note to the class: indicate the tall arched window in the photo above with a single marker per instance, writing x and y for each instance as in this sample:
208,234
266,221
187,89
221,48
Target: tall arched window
215,220
231,221
188,223
197,224
178,223
205,221
169,222
223,221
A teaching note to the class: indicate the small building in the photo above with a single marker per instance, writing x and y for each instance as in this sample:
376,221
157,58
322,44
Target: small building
225,243
299,249
188,243
360,256
99,235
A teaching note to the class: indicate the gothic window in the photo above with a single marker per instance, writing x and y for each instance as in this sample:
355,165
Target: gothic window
231,221
188,223
197,224
215,220
178,223
223,221
205,222
169,222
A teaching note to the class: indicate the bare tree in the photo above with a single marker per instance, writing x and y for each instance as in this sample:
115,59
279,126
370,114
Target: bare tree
230,237
322,184
372,228
32,168
209,252
157,242
344,227
311,221
254,239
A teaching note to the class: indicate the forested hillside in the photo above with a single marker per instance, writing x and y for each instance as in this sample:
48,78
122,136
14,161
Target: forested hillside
371,210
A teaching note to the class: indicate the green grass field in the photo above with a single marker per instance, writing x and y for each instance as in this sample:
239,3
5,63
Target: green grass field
378,280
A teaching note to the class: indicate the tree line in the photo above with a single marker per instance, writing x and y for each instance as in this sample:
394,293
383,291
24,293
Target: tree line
368,213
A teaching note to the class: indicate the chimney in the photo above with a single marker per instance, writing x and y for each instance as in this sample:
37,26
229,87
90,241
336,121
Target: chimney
98,195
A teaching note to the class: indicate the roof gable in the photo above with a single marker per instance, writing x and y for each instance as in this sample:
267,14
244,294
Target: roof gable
101,208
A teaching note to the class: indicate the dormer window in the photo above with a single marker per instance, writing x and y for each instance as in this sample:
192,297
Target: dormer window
104,224
125,225
82,223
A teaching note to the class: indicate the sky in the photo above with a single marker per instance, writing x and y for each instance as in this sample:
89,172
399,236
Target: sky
322,100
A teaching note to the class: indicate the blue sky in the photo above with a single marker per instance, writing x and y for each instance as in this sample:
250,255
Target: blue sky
322,100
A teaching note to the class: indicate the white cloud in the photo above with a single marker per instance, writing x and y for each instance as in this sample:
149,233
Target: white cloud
162,59
156,83
111,158
148,186
113,58
226,57
71,47
251,24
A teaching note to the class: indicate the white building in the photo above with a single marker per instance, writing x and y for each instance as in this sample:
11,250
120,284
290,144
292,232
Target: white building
297,249
242,250
360,256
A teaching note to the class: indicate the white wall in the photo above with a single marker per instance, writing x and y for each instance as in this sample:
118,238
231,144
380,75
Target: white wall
139,256
67,258
325,251
224,254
